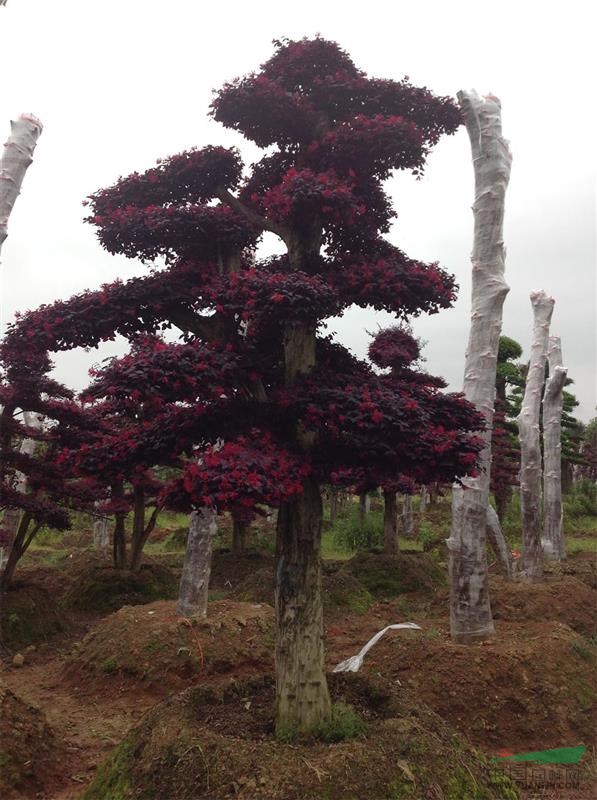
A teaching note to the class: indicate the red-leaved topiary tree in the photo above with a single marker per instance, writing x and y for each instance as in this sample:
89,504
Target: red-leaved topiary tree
37,418
298,408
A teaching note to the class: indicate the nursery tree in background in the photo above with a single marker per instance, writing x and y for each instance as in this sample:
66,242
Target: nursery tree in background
395,349
588,452
35,488
297,408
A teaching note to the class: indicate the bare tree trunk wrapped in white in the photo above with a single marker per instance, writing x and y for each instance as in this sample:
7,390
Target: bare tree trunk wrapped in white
17,156
423,500
553,543
407,520
101,535
194,583
470,610
498,543
530,441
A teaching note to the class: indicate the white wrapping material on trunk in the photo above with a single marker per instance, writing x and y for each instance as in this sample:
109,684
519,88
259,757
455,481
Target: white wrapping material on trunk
531,473
17,156
354,663
553,402
470,609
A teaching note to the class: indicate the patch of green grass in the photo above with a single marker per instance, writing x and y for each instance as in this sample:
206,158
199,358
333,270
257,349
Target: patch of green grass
351,533
410,544
109,666
583,650
286,733
581,545
48,556
344,724
112,780
332,550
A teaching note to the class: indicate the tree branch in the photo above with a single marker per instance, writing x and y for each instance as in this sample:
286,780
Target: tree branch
207,328
256,219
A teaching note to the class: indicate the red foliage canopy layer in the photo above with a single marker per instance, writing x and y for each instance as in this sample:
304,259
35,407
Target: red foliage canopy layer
337,135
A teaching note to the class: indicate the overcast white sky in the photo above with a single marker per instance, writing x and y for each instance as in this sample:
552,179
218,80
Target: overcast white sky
120,83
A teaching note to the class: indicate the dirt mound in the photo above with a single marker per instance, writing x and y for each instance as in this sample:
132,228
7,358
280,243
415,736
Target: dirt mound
229,570
28,615
559,598
582,565
388,576
530,688
96,587
153,645
341,591
29,751
256,588
204,744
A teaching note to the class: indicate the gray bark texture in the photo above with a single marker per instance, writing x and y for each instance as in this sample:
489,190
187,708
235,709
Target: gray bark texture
364,507
423,500
302,696
498,543
390,523
407,521
101,535
553,400
194,583
16,158
530,441
470,610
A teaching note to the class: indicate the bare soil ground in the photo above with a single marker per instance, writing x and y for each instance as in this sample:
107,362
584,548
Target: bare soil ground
530,688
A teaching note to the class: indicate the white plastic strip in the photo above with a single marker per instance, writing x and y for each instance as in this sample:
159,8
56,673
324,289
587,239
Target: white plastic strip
354,663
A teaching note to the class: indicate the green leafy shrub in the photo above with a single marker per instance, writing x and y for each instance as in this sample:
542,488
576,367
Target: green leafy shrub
425,534
350,533
582,500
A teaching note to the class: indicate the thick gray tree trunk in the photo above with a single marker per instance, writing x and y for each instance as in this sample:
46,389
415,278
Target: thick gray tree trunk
553,400
16,158
470,610
194,583
302,696
407,521
498,543
364,507
390,523
530,441
423,500
101,535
